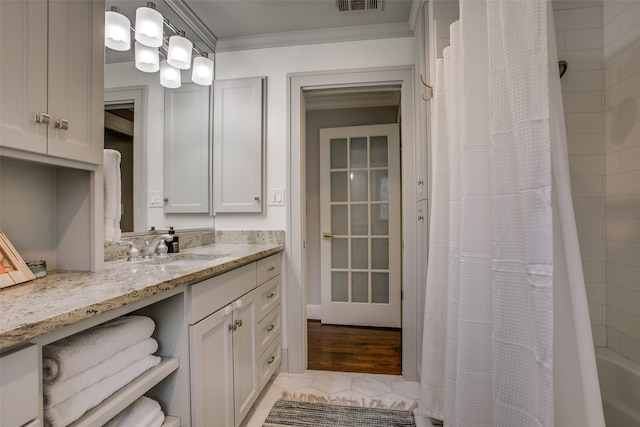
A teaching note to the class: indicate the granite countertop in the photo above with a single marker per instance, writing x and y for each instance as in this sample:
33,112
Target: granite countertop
63,298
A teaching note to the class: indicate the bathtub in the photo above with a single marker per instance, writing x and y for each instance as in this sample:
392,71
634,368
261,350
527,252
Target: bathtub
620,387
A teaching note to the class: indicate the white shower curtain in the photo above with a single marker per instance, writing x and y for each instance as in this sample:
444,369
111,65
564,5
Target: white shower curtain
506,331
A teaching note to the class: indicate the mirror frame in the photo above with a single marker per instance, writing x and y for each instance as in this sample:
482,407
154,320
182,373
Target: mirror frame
138,96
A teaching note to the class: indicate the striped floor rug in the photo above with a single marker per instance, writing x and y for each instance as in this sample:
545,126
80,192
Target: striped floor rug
305,414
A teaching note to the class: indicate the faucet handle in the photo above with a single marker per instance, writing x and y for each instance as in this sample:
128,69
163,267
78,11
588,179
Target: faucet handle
133,253
162,248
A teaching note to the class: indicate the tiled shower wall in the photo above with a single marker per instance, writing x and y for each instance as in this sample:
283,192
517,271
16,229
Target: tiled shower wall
622,147
579,38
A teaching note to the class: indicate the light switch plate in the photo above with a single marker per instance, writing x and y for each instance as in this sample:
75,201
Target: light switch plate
275,197
155,199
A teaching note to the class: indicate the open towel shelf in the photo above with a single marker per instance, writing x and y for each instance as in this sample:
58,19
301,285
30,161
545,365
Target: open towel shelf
117,402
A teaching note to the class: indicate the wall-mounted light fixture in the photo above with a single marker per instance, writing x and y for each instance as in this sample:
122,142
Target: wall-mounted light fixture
151,42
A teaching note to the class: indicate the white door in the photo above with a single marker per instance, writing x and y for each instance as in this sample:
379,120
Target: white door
360,223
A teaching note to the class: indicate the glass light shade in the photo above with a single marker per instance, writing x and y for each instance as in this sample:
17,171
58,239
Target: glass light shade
202,73
117,31
169,76
147,58
149,26
179,54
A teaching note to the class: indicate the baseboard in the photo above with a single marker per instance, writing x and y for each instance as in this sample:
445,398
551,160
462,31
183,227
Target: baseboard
314,311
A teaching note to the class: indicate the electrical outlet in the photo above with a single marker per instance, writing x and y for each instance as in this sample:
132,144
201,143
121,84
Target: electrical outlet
155,199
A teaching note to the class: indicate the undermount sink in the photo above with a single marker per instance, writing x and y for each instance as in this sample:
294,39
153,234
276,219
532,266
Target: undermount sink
183,260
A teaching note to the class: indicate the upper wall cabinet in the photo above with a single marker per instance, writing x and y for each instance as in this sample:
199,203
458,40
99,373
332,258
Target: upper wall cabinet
238,135
52,61
187,140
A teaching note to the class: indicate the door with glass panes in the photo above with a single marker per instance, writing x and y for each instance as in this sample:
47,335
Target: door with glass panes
360,224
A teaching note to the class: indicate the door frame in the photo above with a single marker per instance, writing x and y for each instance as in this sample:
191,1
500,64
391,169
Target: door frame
295,254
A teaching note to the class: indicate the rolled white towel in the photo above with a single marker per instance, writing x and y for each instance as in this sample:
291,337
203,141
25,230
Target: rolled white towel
69,356
158,421
74,407
59,391
142,413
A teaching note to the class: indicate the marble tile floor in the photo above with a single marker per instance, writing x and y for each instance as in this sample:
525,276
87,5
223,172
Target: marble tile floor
389,389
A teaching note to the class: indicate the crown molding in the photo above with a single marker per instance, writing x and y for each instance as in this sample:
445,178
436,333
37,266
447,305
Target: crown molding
196,25
327,35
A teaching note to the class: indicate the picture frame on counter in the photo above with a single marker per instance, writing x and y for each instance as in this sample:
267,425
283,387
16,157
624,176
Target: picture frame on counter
13,269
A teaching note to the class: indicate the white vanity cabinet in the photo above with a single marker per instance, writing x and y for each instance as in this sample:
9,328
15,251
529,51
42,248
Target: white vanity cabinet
20,387
52,56
269,328
224,364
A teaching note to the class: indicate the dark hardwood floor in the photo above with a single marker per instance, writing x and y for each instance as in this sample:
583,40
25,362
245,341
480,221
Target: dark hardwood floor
354,348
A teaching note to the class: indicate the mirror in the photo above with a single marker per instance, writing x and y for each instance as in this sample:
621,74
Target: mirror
134,125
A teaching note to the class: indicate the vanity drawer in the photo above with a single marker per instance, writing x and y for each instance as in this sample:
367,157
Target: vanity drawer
269,296
268,329
268,268
19,387
270,362
212,294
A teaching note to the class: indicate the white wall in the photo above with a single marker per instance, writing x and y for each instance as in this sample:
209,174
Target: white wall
125,74
276,64
580,42
622,148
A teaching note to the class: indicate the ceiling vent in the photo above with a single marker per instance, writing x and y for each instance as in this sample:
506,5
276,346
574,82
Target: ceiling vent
354,5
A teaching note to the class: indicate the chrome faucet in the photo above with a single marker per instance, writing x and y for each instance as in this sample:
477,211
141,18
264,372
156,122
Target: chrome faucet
157,245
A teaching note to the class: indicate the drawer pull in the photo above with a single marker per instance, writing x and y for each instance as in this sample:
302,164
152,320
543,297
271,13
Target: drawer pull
271,268
271,328
271,359
239,323
271,295
232,327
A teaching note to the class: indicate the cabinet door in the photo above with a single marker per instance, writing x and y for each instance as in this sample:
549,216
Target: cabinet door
245,353
186,149
212,371
238,133
23,74
76,80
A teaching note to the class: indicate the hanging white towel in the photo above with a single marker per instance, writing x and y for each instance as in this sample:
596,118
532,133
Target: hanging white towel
112,195
59,391
69,356
73,408
144,412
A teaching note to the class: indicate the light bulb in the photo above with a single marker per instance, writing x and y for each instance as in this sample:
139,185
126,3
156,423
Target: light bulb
202,73
169,76
179,54
149,26
147,58
117,30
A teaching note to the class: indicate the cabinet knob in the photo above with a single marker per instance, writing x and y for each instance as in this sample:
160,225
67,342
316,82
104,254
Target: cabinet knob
232,327
271,295
256,198
271,268
238,324
62,124
43,118
420,218
271,359
420,182
271,328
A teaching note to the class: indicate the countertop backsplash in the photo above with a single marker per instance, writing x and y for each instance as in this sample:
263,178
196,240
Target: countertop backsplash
193,238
